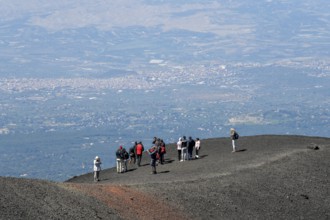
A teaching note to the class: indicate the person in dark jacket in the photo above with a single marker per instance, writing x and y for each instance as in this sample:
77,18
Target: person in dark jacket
191,145
122,157
184,149
153,151
132,153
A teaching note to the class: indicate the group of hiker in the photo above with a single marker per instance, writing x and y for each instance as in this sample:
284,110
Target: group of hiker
185,148
134,155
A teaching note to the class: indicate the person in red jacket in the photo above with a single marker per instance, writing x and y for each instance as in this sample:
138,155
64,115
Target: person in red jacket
139,151
162,151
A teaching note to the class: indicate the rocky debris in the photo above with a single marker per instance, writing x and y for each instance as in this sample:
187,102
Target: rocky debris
313,147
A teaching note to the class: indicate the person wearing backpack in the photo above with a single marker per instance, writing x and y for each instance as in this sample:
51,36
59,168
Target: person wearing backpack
234,136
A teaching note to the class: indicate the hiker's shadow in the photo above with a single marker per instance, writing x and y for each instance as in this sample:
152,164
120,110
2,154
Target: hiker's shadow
242,150
202,156
130,170
166,171
169,161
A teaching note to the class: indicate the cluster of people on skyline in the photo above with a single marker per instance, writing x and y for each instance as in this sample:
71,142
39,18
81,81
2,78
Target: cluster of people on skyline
134,155
185,148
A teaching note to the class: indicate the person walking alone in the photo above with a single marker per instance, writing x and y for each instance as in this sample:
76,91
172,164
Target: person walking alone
234,136
97,168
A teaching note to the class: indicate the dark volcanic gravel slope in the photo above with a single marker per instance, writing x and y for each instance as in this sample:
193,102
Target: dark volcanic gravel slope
35,199
273,177
289,186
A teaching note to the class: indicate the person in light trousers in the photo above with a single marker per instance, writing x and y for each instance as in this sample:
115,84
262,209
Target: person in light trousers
197,147
97,168
234,136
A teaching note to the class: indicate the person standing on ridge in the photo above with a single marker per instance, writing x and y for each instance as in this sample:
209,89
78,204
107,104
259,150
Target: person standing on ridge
132,153
179,148
125,157
162,151
139,151
184,149
97,168
234,136
197,147
191,145
153,156
121,158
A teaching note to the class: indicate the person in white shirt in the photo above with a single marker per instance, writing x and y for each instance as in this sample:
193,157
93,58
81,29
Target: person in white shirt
97,168
197,147
178,147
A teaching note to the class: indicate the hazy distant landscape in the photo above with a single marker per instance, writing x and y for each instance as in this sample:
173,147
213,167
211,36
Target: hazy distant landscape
78,80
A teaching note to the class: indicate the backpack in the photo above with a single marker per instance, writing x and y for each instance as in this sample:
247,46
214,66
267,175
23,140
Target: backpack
132,151
125,155
119,154
236,136
163,150
151,150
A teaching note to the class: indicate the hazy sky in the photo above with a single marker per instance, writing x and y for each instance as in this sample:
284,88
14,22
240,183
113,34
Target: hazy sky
221,17
105,15
221,29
